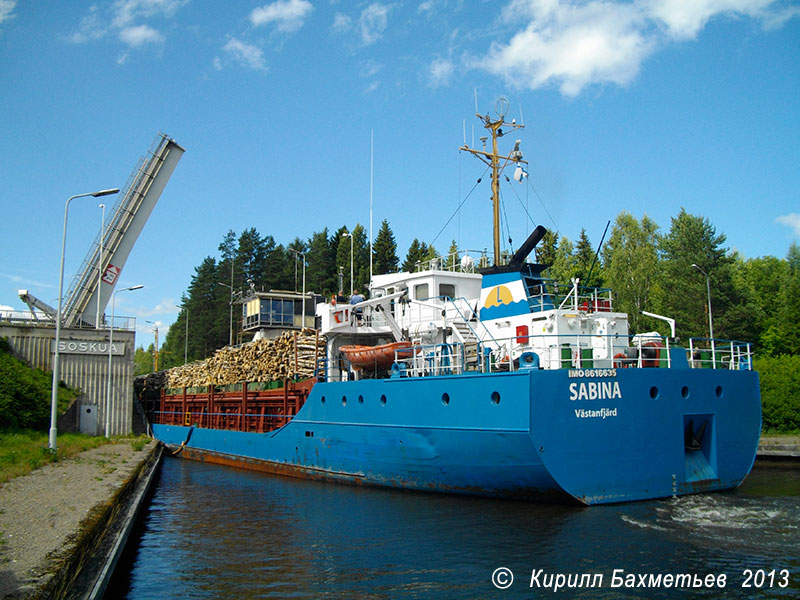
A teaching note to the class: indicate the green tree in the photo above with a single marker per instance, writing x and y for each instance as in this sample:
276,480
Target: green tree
293,269
783,335
546,250
143,360
692,240
564,266
321,266
251,259
588,269
452,258
780,392
417,253
631,264
361,250
385,250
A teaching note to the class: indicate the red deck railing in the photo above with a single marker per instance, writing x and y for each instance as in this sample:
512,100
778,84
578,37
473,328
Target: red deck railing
245,409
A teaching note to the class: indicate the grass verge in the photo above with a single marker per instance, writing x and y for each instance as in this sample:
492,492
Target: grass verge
22,451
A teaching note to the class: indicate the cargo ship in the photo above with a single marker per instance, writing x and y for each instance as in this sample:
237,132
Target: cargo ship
488,378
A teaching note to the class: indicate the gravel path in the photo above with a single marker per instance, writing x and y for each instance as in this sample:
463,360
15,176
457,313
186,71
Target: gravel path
41,512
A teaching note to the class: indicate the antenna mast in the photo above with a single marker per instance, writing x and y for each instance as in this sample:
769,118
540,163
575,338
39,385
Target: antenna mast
494,159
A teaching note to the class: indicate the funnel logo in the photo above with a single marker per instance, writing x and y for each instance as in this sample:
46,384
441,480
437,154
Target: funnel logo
498,296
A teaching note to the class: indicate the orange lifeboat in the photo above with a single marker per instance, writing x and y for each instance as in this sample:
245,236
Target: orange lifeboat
373,356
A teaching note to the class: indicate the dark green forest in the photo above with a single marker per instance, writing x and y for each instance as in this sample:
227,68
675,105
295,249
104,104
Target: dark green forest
666,272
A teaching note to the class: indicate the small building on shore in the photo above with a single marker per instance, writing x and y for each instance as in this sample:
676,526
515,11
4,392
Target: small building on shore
83,365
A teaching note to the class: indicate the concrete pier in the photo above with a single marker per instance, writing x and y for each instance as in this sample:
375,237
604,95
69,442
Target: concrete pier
62,526
779,447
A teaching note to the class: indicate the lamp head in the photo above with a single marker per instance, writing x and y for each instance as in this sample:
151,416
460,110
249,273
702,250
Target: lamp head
108,192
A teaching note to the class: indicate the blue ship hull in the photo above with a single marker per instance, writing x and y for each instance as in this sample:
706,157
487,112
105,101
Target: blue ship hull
591,436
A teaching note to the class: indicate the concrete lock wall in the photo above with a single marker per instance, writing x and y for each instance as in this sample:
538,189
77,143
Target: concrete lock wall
84,365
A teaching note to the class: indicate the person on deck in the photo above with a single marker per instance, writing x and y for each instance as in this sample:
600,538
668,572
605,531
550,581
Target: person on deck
355,299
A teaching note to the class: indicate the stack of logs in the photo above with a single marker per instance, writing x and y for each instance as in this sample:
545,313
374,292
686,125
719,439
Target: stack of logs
292,355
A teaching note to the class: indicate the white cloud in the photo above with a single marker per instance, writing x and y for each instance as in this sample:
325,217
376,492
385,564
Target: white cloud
577,43
373,22
140,34
684,19
126,12
369,27
123,19
440,71
244,54
791,220
370,68
6,8
287,14
341,23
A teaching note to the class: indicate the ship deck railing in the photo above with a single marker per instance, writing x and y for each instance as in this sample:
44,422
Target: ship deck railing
707,353
258,407
569,352
429,360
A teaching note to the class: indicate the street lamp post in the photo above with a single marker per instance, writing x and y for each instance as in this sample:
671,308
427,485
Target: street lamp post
710,316
110,346
56,355
230,323
155,347
350,235
303,254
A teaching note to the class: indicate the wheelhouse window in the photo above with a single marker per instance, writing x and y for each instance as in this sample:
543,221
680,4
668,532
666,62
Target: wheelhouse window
447,291
421,291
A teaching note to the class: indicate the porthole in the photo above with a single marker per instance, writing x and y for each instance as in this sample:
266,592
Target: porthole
495,398
344,400
654,392
360,399
383,398
322,400
719,392
685,391
445,398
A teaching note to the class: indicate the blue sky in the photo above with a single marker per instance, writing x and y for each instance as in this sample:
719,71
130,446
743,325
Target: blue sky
641,106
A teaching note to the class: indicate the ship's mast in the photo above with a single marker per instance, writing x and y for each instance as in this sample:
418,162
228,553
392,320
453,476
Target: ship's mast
493,160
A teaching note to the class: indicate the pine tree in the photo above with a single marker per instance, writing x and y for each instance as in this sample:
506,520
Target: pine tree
452,258
584,258
321,266
546,250
692,240
414,256
361,250
385,251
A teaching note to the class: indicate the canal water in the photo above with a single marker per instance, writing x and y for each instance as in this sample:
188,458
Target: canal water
218,532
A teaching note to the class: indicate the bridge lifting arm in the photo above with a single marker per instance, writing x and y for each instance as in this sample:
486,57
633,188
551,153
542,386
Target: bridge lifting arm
34,302
88,297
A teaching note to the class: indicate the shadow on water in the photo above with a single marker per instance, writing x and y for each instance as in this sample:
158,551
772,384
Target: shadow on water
217,532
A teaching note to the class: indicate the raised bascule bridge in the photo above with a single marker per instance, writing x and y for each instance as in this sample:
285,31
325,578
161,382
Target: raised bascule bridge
86,331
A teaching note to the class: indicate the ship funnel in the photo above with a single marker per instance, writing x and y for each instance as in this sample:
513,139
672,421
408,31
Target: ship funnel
526,248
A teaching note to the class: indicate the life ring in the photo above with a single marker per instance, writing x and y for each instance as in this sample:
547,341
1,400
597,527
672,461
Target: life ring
620,361
337,316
